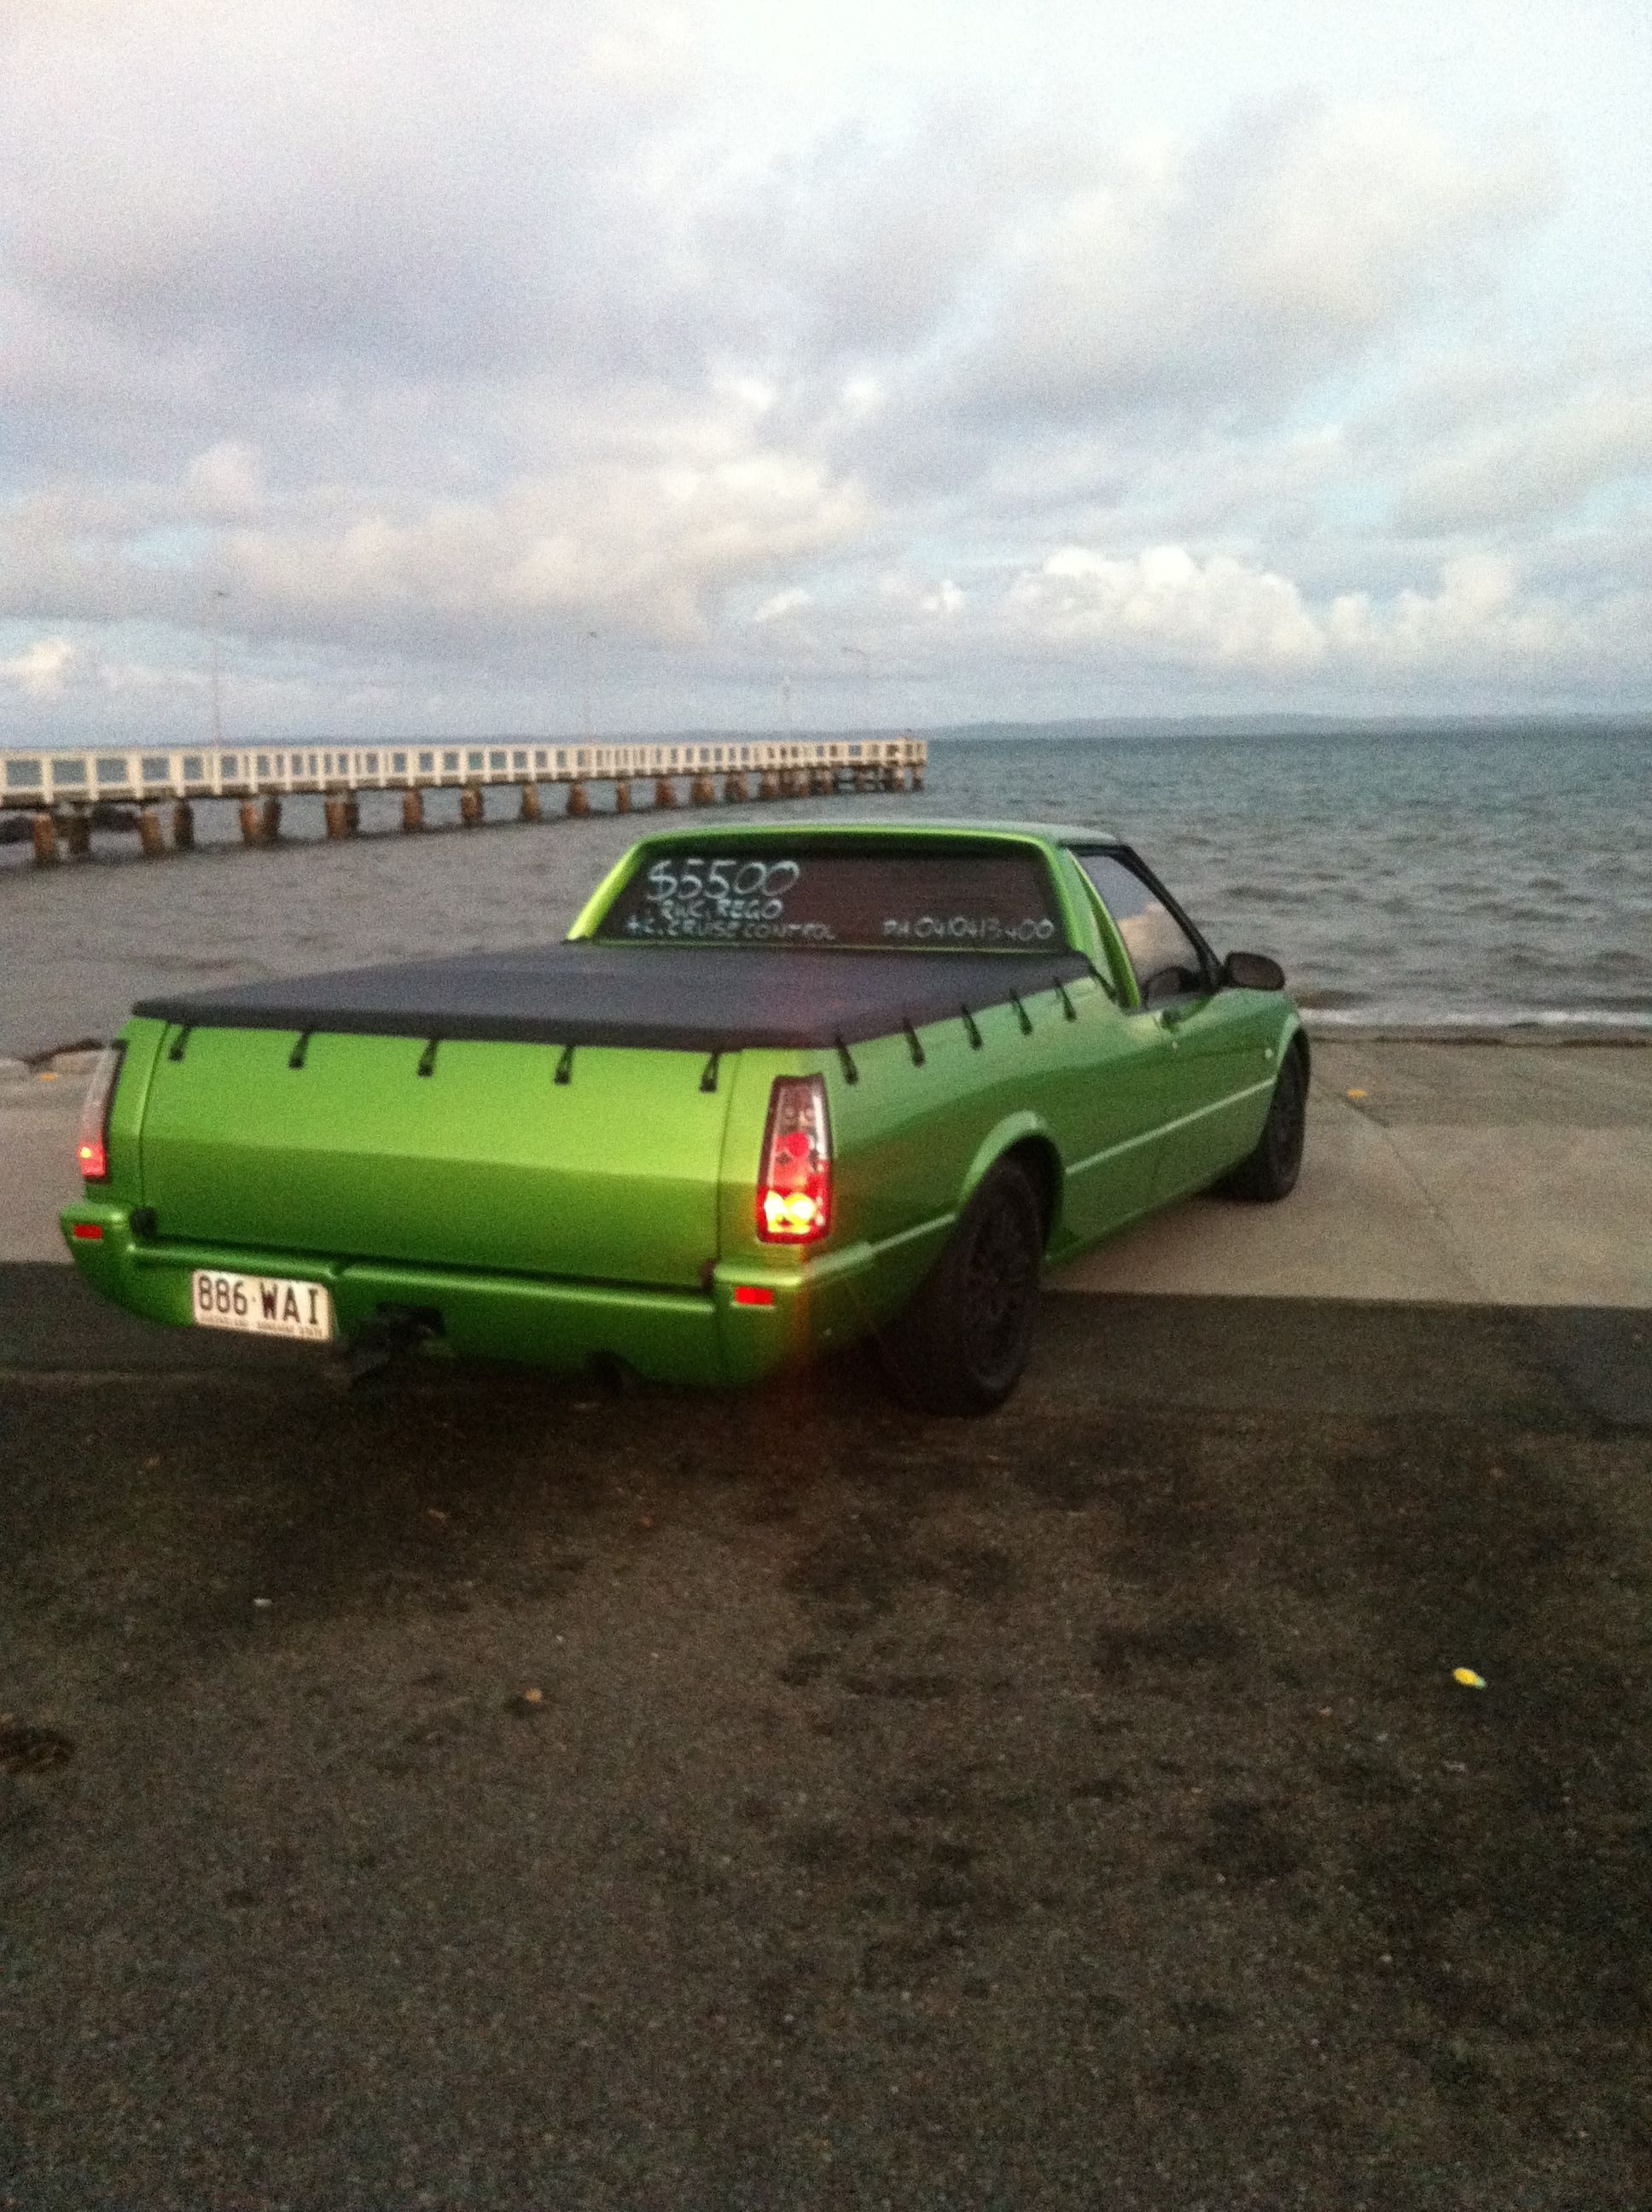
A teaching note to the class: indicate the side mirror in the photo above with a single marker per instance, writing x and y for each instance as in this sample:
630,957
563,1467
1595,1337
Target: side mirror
1251,971
1167,983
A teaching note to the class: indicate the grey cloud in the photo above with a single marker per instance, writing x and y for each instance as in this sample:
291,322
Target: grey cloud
1516,472
1233,276
365,191
438,333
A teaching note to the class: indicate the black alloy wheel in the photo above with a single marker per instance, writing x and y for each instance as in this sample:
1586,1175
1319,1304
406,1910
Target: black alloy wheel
961,1345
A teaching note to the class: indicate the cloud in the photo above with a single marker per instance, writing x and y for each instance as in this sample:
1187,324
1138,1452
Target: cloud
648,549
40,669
1167,607
345,189
437,336
1515,472
646,531
1474,617
789,602
1165,601
226,483
1233,270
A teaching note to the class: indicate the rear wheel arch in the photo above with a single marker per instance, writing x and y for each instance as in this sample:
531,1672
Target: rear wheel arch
1025,1140
1042,1163
960,1345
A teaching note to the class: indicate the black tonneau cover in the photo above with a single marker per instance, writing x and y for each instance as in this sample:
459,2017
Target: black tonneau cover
690,997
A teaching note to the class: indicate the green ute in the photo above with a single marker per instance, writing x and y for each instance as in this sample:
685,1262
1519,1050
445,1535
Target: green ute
781,1088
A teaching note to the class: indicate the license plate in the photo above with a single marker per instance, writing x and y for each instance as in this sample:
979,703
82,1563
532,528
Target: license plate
262,1305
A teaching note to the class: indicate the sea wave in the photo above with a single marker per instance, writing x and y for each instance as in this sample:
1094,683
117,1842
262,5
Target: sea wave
1374,1019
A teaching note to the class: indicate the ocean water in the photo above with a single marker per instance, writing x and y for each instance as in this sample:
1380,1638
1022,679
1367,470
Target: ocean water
1449,877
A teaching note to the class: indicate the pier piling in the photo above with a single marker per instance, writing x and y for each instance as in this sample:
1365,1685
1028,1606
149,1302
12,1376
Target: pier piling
337,816
622,797
252,820
150,836
579,801
45,841
412,812
77,834
183,827
531,810
665,791
270,821
470,806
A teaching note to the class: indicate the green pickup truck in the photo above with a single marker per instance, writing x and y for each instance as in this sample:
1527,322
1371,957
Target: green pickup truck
778,1090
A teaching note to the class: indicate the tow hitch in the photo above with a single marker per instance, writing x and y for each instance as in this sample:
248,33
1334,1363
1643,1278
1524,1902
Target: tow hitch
393,1335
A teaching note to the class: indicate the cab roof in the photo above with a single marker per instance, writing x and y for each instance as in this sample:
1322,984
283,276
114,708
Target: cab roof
918,826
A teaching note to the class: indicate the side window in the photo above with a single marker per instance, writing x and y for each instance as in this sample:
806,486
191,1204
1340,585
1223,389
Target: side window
1165,960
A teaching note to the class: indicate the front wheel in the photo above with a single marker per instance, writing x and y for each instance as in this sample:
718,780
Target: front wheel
962,1344
1271,1171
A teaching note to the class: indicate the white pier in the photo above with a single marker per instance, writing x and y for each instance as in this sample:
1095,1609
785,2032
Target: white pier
63,789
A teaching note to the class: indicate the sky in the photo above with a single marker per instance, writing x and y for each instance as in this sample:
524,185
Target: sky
506,366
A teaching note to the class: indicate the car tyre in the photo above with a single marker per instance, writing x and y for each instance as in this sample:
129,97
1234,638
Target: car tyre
962,1344
1270,1172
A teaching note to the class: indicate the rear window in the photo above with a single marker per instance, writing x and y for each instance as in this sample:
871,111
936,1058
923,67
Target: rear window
967,899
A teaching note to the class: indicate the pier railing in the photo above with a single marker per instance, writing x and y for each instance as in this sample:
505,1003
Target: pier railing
61,778
68,790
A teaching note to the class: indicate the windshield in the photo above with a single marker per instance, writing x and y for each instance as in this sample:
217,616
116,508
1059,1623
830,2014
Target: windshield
962,898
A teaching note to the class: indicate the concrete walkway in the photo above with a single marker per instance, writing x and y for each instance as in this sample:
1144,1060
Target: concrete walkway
1478,1174
1481,1174
38,1118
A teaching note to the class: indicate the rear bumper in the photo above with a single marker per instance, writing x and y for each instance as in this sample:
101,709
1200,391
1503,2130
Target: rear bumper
672,1336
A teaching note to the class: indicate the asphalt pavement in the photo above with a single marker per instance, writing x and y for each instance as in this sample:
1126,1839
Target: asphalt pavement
1217,1782
477,1792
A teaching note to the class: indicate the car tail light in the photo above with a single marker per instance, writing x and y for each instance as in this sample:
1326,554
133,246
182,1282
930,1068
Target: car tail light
794,1189
92,1148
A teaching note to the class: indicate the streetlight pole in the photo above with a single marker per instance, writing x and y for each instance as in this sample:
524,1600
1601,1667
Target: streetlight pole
585,645
861,654
215,606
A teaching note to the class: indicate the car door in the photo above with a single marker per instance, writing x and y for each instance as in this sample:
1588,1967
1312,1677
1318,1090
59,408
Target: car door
1109,1110
1216,1069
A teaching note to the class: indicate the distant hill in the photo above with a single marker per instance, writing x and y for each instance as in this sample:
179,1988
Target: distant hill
1287,726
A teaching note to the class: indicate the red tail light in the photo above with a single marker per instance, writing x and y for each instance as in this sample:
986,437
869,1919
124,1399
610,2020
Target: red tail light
794,1189
92,1147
